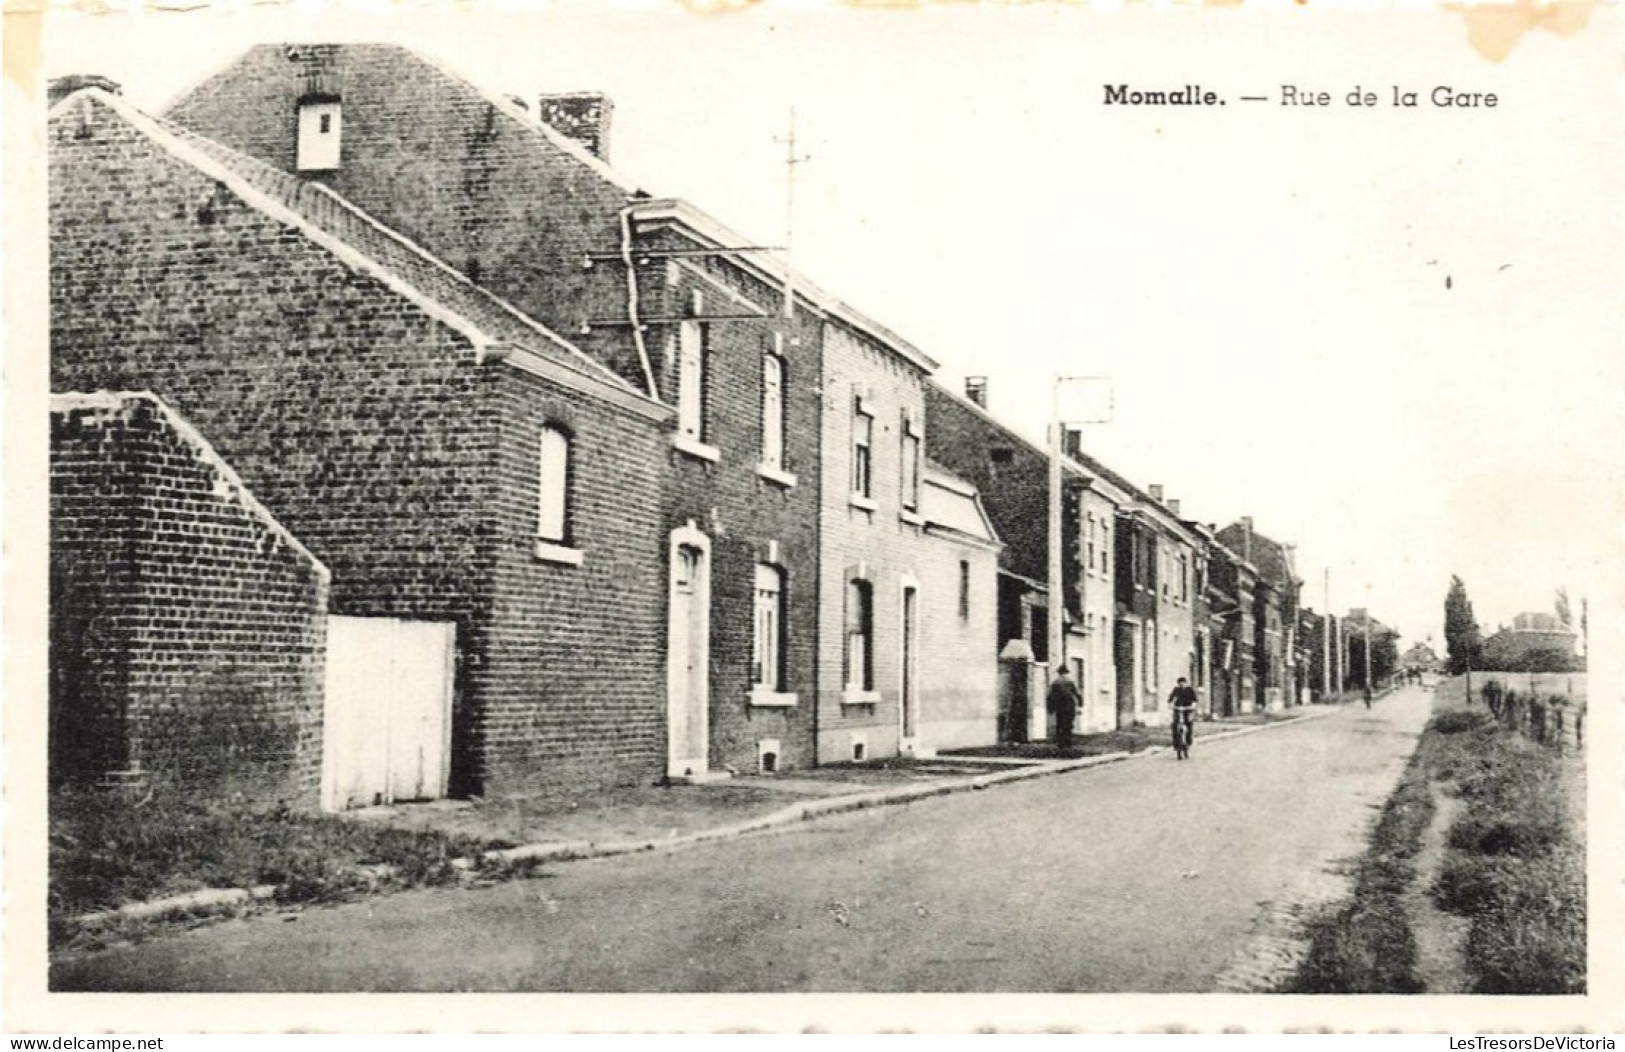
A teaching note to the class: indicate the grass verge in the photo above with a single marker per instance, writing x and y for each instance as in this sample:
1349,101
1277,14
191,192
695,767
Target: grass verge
105,852
1513,865
1515,868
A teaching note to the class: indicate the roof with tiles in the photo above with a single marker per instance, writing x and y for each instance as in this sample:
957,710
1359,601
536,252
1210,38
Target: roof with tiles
318,209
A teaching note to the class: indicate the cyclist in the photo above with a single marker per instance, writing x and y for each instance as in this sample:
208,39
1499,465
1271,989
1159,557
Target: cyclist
1183,702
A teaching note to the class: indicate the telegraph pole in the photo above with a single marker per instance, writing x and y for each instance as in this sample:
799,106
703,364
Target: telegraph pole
1056,608
791,160
1326,635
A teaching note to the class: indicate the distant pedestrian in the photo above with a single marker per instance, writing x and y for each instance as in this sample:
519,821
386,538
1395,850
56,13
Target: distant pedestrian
1064,699
1183,702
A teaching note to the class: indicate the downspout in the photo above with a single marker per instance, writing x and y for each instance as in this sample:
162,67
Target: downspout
632,302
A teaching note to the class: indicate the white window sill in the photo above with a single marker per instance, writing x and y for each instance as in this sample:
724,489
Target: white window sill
860,697
779,475
911,517
859,501
695,448
770,699
548,552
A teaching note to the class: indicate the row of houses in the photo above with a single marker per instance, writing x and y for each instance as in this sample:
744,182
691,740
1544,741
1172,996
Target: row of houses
404,447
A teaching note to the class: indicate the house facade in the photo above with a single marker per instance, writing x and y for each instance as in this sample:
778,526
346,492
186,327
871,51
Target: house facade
764,539
484,494
1012,475
650,288
1276,613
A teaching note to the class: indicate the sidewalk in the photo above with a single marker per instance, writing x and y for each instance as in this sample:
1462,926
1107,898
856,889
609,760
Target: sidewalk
588,823
593,823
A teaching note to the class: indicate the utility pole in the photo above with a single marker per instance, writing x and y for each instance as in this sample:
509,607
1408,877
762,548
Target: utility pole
1057,632
791,159
1326,635
1367,650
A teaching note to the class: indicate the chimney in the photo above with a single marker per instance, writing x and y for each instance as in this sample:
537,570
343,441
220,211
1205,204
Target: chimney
61,87
1072,443
582,116
976,390
1247,537
1156,491
1173,506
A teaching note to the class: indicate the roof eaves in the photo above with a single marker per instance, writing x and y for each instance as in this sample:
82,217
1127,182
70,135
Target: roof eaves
703,227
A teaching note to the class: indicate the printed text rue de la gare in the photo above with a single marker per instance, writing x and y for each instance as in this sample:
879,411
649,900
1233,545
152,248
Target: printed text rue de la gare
1443,96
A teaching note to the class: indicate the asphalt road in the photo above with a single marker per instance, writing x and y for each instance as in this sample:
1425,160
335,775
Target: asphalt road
1142,876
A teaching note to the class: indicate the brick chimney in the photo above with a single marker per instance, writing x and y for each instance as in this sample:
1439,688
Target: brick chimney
1156,491
1173,506
976,390
583,116
1247,537
1072,443
61,87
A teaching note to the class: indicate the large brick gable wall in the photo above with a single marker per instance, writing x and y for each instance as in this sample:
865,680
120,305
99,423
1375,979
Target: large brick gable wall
187,625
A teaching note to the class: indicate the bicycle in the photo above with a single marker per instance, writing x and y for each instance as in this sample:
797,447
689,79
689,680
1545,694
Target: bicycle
1184,734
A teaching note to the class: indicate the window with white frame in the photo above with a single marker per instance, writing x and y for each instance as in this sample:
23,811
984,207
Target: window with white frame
911,462
773,408
1089,533
863,435
553,519
860,669
768,656
691,375
1105,547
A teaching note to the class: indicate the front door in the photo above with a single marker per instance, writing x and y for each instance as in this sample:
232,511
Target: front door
688,662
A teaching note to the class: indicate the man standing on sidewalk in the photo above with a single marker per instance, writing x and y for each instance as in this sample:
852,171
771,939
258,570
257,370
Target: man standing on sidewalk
1063,699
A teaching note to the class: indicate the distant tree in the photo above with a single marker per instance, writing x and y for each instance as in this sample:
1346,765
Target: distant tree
1565,617
1461,637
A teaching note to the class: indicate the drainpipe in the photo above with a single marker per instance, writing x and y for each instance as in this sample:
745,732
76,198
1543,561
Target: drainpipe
632,301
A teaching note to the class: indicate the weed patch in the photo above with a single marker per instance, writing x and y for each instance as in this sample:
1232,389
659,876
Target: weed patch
105,852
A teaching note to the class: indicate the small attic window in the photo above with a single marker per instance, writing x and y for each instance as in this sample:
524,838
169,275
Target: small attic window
320,125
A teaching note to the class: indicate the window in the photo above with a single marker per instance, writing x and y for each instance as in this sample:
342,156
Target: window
773,410
691,379
1184,578
1089,559
768,657
319,130
863,433
860,670
553,518
911,463
1105,548
964,590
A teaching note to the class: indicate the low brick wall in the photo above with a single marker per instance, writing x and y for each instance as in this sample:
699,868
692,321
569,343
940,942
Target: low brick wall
188,627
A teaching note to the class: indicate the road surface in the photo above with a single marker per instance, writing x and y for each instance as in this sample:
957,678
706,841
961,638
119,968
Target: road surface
1141,876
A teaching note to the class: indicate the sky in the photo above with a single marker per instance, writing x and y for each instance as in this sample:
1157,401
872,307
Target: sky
1390,335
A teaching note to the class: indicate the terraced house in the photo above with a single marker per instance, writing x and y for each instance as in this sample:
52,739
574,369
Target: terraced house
794,519
484,495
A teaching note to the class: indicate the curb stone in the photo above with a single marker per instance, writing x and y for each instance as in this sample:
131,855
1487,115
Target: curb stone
210,899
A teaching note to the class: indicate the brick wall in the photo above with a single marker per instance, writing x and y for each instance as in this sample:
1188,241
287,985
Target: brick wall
369,429
749,517
470,179
490,193
187,626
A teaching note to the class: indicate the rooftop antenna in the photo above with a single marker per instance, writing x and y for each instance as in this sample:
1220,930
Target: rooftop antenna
791,159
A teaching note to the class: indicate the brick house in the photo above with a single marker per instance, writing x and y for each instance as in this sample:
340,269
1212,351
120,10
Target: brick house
647,288
187,625
525,203
1234,584
1276,600
485,495
1012,475
1156,626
